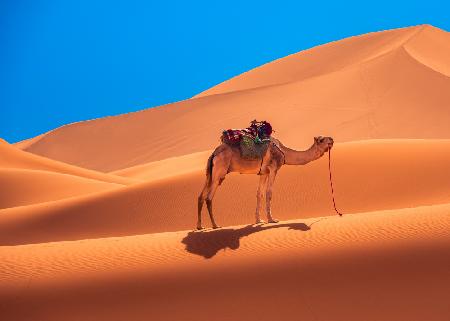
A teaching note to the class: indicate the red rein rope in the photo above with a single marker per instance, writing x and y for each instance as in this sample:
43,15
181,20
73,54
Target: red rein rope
331,182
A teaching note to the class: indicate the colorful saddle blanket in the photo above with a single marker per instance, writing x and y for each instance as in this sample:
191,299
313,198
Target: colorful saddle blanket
253,141
258,131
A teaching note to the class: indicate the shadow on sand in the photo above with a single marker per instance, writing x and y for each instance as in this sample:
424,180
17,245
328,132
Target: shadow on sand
208,242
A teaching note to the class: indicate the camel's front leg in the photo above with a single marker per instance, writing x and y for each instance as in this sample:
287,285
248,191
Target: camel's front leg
259,196
269,187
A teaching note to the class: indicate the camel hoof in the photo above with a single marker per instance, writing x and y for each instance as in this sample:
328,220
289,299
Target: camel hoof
199,228
216,227
260,222
273,221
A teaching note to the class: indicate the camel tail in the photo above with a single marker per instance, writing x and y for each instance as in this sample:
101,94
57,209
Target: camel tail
209,168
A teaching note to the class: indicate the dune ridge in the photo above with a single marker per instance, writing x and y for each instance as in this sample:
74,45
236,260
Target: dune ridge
26,187
14,158
29,179
165,168
353,89
315,62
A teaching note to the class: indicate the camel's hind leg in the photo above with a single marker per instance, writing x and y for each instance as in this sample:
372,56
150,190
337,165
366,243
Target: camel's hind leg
217,178
201,200
207,195
220,165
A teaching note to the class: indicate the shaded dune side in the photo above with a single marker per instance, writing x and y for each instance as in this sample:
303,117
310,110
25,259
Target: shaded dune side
24,187
395,93
390,265
14,158
369,175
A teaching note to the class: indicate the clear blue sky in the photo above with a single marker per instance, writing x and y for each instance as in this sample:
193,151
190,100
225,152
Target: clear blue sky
66,61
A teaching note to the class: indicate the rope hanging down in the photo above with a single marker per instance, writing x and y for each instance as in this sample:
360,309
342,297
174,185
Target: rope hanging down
331,182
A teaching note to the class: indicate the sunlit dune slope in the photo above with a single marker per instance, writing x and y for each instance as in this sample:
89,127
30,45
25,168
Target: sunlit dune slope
14,158
319,60
169,167
390,265
368,175
390,84
24,187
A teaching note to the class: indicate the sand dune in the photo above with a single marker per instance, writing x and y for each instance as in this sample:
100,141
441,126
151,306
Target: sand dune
369,175
31,179
383,85
169,167
427,44
392,265
320,60
28,142
14,158
112,239
25,187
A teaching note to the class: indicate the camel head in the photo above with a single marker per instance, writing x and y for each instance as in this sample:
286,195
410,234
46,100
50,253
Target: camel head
324,144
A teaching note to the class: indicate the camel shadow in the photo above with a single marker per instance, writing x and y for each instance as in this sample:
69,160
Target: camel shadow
208,243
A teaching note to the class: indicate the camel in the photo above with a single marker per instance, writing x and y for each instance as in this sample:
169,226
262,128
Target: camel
227,159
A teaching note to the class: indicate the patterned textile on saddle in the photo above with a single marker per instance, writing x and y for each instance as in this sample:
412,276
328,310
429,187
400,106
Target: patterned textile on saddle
253,141
250,149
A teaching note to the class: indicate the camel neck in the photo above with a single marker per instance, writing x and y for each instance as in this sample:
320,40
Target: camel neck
301,157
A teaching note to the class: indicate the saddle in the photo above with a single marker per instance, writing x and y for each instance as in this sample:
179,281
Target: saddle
253,141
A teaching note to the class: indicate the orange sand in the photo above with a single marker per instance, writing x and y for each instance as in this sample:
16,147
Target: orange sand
110,237
25,187
389,265
12,157
365,180
380,85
